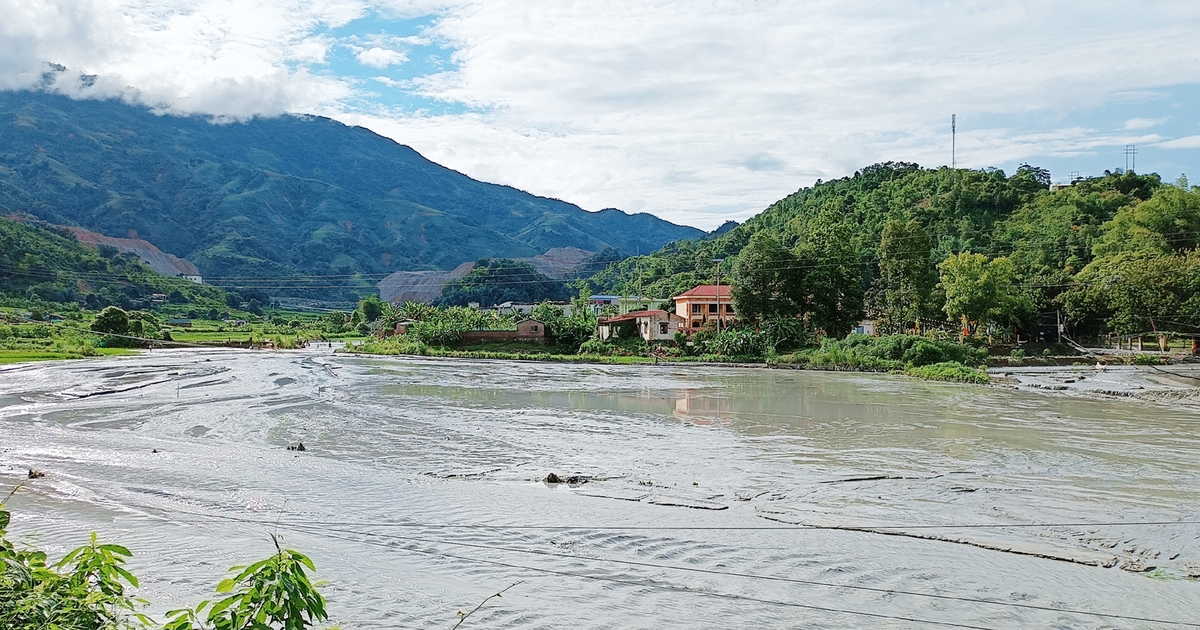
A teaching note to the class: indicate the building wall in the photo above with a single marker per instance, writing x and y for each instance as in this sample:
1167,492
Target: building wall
698,312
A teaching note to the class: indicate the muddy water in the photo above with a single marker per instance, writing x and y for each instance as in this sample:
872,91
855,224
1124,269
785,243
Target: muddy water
717,497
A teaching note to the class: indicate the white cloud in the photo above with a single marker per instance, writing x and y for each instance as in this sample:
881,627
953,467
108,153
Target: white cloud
702,111
377,57
694,111
221,57
1189,142
1134,124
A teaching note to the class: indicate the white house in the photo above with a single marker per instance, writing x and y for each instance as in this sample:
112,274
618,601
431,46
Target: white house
650,325
865,327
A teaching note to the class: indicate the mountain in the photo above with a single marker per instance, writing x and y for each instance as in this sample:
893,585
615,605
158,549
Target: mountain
293,204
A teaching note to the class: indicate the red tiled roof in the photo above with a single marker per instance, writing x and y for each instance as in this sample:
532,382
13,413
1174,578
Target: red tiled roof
705,291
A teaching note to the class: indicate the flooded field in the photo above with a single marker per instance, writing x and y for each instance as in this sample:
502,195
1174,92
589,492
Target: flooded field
701,497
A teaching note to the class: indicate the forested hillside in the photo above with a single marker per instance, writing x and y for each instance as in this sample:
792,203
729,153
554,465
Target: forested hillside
281,199
46,264
907,244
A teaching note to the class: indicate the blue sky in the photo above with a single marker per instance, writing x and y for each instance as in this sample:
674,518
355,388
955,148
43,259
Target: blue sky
696,112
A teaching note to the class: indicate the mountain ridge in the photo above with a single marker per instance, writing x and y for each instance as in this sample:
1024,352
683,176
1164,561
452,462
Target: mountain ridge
284,198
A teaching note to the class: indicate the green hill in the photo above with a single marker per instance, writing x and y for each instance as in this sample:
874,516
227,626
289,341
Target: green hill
41,263
272,202
1113,253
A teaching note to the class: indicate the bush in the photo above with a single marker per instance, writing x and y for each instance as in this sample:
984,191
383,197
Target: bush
737,342
951,372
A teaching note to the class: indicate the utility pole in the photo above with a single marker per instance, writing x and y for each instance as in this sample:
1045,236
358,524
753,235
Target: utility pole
719,261
1130,158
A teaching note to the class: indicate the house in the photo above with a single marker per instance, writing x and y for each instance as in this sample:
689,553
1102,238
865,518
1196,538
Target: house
401,328
625,303
181,322
865,327
527,330
654,325
521,308
705,305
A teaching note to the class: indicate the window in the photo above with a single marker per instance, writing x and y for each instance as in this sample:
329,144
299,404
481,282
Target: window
729,309
696,308
663,327
712,308
696,323
533,328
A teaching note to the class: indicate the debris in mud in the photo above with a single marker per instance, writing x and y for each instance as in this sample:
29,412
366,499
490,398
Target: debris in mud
36,474
573,480
298,447
154,451
877,478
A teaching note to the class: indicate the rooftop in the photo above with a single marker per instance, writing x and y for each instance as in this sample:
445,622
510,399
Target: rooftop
706,291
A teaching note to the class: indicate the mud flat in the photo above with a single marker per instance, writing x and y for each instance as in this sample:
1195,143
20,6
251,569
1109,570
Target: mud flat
1168,384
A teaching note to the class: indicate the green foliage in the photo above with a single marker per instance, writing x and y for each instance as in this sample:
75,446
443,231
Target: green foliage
903,293
836,295
784,333
890,352
46,266
737,342
1138,291
950,372
768,280
439,332
274,593
895,222
980,291
372,308
88,589
567,332
493,282
112,321
1167,223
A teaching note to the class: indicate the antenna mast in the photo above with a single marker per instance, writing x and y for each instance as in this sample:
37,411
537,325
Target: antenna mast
953,132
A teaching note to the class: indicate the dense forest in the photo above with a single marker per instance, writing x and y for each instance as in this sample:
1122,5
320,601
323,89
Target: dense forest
916,247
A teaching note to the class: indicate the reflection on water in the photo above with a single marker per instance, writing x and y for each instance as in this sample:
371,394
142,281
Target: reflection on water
403,453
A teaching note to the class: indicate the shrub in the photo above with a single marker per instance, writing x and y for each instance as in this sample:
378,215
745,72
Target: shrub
950,371
737,342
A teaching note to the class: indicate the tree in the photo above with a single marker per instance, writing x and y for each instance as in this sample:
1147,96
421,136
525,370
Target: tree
1137,291
980,291
767,280
904,291
372,308
112,321
834,282
1167,222
492,282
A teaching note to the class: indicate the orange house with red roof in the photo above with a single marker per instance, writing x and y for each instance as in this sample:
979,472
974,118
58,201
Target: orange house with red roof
704,306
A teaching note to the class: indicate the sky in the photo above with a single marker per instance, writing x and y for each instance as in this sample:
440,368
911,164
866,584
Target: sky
697,112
